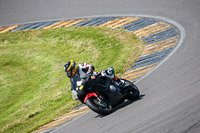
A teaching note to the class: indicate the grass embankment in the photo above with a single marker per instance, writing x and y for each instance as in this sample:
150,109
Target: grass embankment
33,87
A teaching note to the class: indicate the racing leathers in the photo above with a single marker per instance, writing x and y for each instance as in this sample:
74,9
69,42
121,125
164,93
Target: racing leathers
84,71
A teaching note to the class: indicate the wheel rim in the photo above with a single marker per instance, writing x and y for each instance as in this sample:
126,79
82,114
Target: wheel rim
102,105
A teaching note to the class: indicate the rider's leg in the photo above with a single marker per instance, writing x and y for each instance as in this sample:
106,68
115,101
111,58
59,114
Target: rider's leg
110,73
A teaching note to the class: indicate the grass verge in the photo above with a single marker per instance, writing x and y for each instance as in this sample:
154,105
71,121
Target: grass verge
33,86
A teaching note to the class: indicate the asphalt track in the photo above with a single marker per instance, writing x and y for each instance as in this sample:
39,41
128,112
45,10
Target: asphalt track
171,101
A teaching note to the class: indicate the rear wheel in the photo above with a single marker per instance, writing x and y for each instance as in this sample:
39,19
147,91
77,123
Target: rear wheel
133,92
103,107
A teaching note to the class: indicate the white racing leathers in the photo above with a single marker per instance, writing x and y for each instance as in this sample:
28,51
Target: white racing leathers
85,70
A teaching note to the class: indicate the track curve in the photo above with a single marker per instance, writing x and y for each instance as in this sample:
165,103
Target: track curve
172,96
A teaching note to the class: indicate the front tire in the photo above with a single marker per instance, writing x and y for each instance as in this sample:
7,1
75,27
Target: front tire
104,109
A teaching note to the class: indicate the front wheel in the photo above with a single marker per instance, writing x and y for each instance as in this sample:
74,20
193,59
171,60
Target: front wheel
133,92
103,107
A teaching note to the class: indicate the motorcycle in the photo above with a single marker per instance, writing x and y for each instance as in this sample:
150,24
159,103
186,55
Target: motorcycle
102,95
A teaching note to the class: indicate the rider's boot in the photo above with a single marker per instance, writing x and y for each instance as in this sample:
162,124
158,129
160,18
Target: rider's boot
74,95
119,81
109,73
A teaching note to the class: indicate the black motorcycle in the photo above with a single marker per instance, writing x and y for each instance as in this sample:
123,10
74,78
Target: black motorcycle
102,95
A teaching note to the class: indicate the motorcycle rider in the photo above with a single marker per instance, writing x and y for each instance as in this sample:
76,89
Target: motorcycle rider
79,73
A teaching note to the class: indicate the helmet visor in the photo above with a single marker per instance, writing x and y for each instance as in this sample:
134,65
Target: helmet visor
69,74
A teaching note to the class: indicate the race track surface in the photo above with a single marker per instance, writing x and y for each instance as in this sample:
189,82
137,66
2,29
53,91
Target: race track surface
171,93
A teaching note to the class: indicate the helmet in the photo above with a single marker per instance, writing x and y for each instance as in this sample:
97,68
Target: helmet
70,68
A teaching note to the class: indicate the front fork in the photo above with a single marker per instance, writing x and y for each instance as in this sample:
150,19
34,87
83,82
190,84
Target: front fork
93,94
90,95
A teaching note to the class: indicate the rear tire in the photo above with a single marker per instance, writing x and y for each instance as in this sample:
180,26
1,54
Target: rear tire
97,108
133,93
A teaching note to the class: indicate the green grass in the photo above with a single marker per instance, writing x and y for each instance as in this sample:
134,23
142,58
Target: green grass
33,87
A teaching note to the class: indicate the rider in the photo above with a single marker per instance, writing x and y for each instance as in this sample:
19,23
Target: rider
78,75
